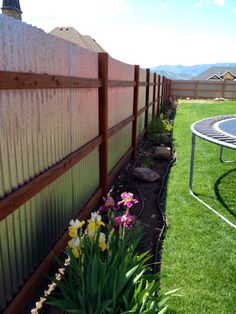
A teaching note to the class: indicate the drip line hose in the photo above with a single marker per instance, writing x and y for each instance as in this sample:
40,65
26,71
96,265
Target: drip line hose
159,207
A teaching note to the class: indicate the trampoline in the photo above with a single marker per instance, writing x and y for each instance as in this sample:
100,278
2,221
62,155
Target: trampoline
220,130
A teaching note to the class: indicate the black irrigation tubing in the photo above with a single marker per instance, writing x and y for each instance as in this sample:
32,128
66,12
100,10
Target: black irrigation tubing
159,207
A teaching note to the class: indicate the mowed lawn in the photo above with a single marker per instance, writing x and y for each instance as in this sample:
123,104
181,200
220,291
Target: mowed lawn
199,249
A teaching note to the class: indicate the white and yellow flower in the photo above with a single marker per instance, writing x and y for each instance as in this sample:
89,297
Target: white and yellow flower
75,225
102,241
74,245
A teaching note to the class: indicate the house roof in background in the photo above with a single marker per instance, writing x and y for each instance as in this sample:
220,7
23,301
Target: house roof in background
72,35
219,71
11,4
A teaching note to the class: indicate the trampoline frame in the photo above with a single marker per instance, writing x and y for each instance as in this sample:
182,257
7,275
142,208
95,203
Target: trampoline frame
204,129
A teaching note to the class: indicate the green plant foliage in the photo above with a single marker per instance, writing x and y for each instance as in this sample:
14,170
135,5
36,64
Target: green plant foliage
109,278
160,125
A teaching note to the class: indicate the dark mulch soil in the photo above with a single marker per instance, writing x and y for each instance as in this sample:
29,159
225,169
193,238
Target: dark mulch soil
147,210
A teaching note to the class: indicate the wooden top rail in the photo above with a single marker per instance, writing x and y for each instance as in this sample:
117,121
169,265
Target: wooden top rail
22,80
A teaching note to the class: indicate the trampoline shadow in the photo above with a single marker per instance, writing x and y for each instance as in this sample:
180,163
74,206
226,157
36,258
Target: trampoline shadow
224,191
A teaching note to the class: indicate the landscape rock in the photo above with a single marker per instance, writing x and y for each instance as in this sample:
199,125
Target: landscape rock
145,174
163,153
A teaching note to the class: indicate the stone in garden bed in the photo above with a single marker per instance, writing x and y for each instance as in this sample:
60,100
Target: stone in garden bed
145,174
163,153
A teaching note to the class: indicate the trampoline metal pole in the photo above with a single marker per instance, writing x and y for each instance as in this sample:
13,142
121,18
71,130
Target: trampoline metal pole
192,164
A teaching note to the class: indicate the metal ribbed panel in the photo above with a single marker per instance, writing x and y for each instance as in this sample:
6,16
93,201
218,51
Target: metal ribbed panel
229,86
150,113
142,75
182,85
206,87
28,49
142,89
118,70
120,99
141,97
161,82
29,233
209,94
85,179
83,108
39,128
141,123
118,145
151,87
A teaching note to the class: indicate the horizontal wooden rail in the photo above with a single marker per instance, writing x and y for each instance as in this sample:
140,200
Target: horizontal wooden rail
202,90
120,126
151,103
23,296
143,84
184,89
25,80
20,80
115,83
141,111
193,82
24,193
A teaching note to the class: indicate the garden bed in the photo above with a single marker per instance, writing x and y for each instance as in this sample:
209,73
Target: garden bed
150,198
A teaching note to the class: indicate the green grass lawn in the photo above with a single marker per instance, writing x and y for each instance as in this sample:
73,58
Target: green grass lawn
199,253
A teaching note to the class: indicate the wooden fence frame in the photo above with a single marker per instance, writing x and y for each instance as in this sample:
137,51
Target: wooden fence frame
196,91
16,80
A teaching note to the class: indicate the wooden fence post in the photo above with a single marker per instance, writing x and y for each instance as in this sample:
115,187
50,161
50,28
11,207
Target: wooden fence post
163,93
103,121
154,95
147,97
135,110
169,94
223,89
196,89
158,95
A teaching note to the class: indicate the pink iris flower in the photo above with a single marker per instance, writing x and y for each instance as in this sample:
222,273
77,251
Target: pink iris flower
125,221
128,199
109,203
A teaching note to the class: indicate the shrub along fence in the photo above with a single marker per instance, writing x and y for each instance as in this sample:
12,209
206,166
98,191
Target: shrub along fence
70,119
203,89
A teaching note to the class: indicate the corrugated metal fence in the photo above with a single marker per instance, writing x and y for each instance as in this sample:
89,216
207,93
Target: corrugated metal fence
203,89
69,120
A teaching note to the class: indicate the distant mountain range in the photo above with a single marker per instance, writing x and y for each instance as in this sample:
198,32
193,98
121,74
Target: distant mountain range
182,72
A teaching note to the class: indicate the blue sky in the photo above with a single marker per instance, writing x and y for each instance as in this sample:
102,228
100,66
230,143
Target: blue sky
147,32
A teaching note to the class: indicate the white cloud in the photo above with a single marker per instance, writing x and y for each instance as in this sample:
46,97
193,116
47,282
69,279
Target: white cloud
234,10
219,2
201,3
164,5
